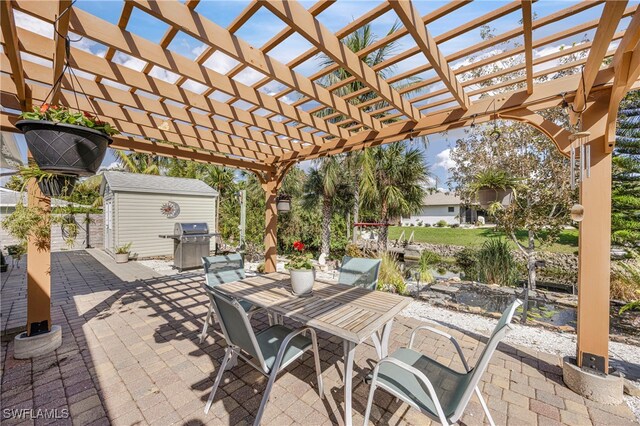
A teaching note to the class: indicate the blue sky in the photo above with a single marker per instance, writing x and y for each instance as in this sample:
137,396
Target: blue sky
263,25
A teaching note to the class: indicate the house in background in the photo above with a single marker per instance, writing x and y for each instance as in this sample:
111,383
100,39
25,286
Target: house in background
138,208
437,206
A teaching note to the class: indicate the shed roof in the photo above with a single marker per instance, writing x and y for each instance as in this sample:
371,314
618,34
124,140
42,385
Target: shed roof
136,182
441,199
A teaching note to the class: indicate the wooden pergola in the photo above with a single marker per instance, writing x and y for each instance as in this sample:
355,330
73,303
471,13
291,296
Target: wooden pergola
183,119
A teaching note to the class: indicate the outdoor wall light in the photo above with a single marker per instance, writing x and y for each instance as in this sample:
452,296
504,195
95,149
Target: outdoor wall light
283,203
577,212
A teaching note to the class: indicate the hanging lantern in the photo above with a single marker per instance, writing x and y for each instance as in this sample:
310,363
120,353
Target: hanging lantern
580,158
283,203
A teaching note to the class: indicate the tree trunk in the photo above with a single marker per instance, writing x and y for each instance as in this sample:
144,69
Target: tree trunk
326,225
383,235
531,262
356,210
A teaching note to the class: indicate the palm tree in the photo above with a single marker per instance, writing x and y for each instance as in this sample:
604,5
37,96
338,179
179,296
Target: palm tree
361,39
321,187
393,181
136,162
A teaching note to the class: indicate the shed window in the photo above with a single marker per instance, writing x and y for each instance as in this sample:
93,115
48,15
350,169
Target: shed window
451,209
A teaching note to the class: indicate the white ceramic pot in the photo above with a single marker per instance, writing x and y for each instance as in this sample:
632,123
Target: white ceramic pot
302,280
122,257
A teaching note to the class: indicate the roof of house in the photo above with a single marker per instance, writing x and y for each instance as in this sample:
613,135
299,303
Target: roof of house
9,198
136,182
441,199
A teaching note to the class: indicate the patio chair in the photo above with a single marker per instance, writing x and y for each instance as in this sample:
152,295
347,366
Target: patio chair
270,351
359,272
433,388
219,270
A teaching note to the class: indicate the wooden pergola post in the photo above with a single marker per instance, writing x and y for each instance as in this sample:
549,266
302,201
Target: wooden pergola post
38,269
595,247
270,225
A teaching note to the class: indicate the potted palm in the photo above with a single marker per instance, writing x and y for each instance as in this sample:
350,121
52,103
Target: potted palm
301,270
122,253
64,141
494,186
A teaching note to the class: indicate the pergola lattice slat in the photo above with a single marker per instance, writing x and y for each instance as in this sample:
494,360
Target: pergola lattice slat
206,31
409,16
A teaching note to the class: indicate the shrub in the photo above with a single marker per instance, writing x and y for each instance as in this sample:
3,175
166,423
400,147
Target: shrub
441,223
352,250
625,279
260,268
430,258
496,264
390,277
427,225
466,258
455,225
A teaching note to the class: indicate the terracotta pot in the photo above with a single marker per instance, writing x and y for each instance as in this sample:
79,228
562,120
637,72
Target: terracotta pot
488,196
302,280
122,257
64,148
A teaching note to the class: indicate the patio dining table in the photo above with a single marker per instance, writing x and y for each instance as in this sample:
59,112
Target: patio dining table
352,313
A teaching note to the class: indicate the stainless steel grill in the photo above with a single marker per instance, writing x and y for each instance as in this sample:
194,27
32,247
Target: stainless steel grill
191,241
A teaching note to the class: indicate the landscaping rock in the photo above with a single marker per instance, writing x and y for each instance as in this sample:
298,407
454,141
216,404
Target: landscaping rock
630,388
444,288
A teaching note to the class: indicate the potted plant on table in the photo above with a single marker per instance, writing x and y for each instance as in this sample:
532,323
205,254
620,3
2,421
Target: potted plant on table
65,142
122,253
301,269
494,186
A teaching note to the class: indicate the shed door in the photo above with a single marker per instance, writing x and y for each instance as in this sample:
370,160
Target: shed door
108,224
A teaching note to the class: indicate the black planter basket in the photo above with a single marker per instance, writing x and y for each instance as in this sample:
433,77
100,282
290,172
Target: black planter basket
57,185
64,148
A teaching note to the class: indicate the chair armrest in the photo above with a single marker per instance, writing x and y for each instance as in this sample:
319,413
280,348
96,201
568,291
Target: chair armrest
285,344
443,334
419,375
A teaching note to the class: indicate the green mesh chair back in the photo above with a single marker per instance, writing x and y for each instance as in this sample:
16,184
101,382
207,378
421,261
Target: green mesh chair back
223,269
235,325
473,377
360,272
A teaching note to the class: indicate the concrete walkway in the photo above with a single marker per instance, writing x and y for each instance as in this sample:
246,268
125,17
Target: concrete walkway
130,355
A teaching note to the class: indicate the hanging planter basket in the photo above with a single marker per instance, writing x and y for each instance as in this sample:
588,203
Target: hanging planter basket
487,196
58,185
64,148
283,203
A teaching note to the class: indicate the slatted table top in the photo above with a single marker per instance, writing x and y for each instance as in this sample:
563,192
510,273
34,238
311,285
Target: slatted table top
351,313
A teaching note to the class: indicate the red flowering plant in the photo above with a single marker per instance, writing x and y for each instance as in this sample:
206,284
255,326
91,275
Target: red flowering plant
299,259
62,114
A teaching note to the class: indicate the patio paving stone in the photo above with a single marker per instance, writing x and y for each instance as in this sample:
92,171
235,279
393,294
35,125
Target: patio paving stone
131,355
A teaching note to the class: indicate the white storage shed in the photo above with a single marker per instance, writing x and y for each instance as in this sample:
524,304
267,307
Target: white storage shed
138,208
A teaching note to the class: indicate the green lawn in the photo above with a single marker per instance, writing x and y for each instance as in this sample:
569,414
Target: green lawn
567,243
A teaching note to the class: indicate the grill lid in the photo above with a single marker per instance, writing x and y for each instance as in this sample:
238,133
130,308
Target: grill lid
190,229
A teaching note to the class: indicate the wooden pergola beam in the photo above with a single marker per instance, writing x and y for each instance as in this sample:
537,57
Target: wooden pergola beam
165,149
612,12
39,46
626,63
297,17
206,31
547,96
410,17
527,28
12,49
61,29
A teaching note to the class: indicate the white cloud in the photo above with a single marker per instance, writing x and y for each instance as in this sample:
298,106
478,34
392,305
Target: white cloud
129,61
33,24
444,160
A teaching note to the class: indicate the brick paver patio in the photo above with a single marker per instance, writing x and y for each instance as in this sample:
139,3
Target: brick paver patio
130,355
